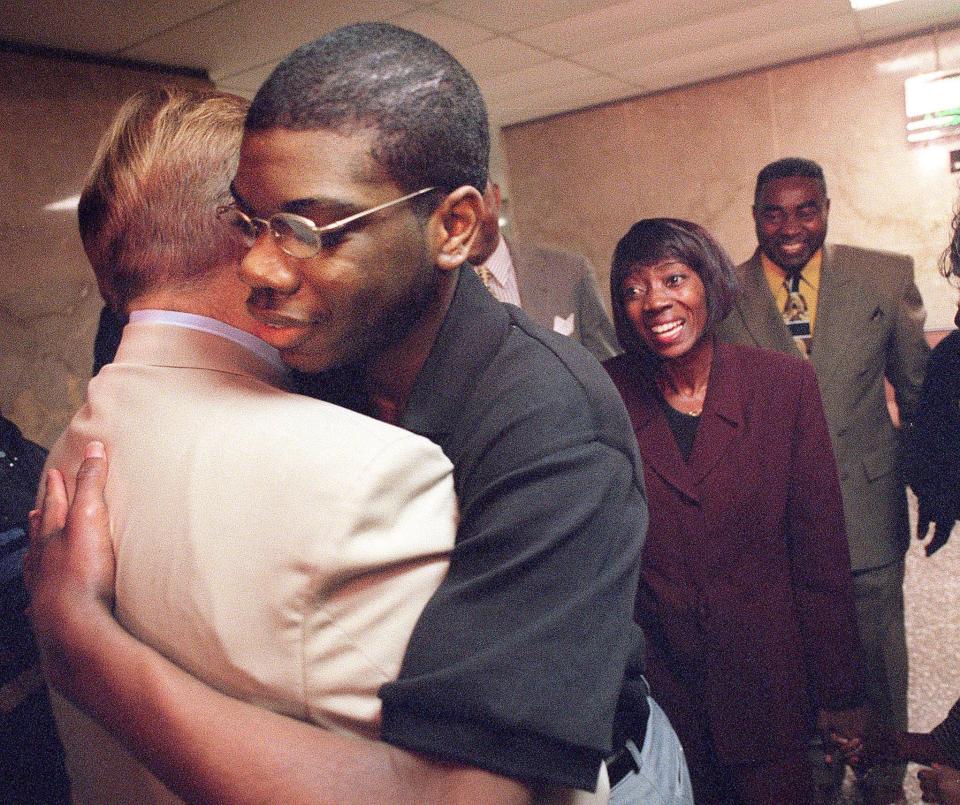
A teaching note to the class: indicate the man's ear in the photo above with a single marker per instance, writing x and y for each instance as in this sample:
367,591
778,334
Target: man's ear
453,226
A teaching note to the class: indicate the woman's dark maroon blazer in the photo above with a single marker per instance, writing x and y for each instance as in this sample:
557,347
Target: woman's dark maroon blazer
745,593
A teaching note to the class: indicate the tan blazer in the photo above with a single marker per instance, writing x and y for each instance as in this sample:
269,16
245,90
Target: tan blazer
559,291
279,548
869,326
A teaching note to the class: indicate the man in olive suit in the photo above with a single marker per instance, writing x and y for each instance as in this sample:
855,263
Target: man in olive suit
857,315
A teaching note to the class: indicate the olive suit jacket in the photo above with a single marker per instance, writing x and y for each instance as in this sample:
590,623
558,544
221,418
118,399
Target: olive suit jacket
869,326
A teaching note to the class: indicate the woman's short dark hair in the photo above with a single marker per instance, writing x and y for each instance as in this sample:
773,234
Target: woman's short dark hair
653,240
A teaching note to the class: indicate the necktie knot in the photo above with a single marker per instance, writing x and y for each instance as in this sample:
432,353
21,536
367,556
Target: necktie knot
485,276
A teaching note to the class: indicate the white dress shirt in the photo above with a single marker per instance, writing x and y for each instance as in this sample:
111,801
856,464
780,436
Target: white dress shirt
503,279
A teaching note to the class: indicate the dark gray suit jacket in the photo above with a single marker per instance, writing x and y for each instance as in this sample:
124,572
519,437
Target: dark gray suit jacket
869,325
560,284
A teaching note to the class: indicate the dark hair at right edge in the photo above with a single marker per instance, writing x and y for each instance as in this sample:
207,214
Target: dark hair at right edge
949,264
651,240
427,110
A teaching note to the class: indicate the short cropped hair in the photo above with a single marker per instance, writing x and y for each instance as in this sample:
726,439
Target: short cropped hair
789,167
148,210
427,111
653,240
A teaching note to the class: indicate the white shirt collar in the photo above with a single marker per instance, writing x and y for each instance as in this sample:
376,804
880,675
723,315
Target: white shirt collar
205,324
500,263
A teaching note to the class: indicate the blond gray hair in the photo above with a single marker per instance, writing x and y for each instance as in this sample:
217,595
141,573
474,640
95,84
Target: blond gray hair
148,210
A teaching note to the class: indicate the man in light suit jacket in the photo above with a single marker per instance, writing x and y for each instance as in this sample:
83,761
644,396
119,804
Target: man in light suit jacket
277,547
858,316
556,289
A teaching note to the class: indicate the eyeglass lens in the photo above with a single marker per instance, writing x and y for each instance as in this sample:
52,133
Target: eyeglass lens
291,234
294,236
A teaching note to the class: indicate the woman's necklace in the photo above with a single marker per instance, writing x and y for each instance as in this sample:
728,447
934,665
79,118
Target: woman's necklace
686,402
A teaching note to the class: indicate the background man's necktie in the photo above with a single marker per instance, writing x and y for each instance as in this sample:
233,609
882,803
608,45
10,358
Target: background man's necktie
484,273
796,315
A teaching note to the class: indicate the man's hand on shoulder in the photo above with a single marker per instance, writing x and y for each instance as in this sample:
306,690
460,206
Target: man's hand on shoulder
206,746
940,784
70,570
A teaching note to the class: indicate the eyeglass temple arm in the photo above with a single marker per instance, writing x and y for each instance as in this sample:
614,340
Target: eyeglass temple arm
357,215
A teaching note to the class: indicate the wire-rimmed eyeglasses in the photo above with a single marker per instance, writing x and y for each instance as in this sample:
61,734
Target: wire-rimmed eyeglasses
294,234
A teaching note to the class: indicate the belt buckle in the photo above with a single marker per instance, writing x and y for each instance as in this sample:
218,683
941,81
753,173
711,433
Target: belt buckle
620,764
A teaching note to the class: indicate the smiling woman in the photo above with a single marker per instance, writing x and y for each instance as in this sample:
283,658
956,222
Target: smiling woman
666,304
745,593
671,284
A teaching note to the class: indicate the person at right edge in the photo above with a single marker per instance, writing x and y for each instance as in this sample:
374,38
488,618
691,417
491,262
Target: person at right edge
932,455
745,595
857,315
932,468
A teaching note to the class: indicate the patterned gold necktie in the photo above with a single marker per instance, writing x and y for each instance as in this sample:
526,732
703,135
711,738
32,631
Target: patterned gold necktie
796,316
485,276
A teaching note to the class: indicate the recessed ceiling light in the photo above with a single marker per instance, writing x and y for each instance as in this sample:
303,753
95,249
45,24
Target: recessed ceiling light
858,5
64,204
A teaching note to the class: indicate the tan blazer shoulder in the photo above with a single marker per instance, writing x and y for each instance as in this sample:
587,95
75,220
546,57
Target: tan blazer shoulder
279,548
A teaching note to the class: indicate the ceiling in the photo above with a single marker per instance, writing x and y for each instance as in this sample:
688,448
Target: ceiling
531,58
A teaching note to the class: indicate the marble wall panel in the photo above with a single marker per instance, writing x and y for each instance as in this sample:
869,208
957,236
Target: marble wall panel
579,180
55,111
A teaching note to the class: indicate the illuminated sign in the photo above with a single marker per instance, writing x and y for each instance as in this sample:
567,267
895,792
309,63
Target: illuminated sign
933,105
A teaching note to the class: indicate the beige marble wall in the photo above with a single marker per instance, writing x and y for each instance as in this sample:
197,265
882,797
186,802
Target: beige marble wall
54,112
578,181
